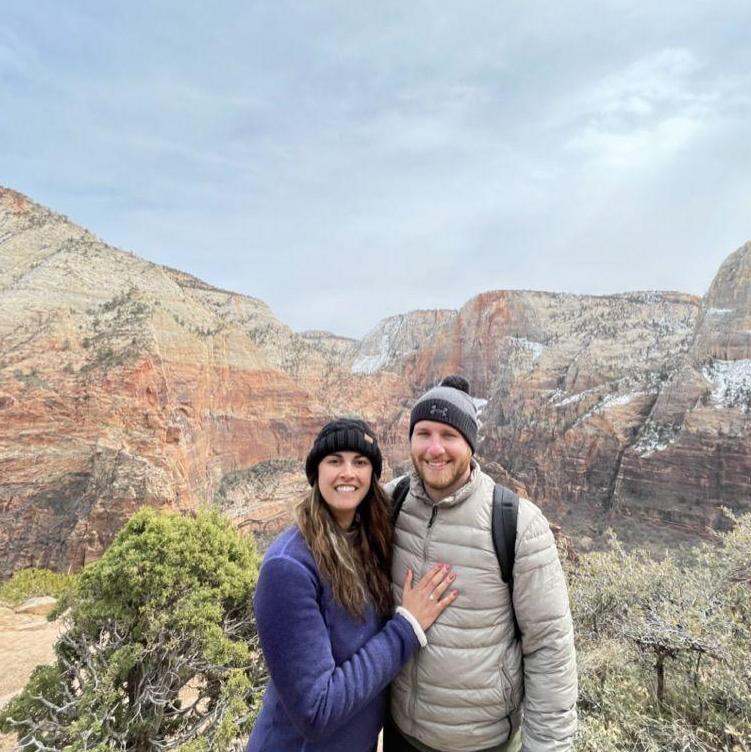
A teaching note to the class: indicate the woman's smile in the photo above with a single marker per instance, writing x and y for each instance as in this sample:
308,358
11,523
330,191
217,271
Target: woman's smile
344,480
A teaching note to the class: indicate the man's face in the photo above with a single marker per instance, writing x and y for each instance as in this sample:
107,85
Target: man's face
441,456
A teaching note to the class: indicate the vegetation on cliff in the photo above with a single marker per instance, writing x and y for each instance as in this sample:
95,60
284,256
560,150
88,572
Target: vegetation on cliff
33,582
160,650
664,649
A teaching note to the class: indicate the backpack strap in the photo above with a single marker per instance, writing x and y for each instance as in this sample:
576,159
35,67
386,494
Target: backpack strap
505,514
398,497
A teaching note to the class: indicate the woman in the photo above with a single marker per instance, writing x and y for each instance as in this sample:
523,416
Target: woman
324,608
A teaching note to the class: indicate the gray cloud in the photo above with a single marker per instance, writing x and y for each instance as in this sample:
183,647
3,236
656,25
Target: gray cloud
345,162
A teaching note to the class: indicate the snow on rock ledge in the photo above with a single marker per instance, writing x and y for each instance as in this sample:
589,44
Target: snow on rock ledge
396,338
655,437
379,351
731,382
719,311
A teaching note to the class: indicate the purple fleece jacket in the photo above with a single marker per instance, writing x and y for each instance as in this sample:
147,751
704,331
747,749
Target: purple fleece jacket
329,671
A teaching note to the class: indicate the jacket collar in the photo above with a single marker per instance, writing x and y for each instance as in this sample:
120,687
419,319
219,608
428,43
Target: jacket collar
417,489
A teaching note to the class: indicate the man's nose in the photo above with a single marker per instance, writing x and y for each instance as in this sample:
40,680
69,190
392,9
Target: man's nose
435,446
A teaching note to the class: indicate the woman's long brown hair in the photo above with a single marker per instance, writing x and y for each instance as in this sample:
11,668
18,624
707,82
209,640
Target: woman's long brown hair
356,563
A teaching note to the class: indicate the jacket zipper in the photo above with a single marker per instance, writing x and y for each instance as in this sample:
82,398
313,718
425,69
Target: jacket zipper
426,543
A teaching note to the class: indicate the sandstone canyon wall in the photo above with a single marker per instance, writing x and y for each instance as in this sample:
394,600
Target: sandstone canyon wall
125,383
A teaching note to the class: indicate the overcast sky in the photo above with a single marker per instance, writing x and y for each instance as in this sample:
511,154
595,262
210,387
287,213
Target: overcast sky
345,161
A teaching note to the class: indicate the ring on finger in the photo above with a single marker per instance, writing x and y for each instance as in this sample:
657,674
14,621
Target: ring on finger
431,597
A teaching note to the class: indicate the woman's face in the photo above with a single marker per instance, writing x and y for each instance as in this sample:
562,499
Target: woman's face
344,481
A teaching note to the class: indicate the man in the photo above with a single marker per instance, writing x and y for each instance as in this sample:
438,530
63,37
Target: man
477,686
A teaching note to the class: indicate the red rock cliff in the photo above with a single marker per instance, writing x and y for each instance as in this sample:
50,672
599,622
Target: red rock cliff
125,383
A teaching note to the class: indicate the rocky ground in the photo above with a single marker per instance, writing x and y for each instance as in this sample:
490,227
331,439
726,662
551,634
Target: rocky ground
26,641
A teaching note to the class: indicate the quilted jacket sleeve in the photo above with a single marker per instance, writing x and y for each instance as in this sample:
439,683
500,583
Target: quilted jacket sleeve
542,610
317,694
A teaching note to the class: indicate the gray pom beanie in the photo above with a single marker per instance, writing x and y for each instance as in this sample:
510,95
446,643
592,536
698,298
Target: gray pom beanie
448,403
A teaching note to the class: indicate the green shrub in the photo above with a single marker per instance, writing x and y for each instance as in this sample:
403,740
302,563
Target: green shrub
30,583
160,650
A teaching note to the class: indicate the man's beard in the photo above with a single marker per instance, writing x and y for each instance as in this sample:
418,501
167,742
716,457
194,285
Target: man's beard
447,477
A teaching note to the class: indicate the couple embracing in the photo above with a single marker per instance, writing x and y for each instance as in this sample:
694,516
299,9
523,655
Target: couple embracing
371,612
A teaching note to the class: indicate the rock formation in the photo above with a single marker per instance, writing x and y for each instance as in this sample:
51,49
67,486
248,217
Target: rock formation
692,454
125,383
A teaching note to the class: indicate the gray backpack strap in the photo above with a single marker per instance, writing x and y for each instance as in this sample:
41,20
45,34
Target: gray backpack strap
398,497
505,514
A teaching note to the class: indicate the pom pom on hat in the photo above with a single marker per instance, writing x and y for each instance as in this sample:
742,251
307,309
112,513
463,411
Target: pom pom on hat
456,382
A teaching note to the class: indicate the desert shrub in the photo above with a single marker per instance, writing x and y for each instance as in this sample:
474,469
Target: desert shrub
664,648
30,583
160,650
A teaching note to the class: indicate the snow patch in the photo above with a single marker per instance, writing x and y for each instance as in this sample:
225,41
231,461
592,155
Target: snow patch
571,400
479,403
655,437
731,382
559,400
380,355
610,400
616,400
373,363
719,311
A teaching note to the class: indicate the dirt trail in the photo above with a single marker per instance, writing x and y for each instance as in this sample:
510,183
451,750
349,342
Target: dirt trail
26,641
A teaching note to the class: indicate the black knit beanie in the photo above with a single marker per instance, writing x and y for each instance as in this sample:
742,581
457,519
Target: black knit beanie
344,435
448,403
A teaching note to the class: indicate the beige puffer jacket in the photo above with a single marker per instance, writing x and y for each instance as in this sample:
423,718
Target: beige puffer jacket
465,691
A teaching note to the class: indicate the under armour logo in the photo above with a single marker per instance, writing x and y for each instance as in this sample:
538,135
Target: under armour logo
442,412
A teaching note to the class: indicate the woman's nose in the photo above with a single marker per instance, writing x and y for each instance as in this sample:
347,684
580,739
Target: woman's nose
347,470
